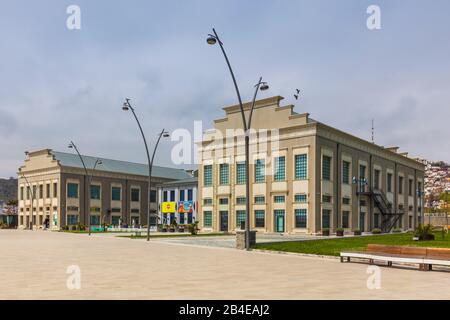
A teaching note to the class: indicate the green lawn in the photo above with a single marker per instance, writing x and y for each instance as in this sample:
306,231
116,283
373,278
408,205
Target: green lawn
144,236
332,247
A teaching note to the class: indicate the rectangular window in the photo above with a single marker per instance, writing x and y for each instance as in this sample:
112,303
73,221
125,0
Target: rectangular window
260,171
300,197
55,190
223,201
362,171
326,198
116,193
207,218
326,214
164,196
135,193
28,193
207,201
260,200
207,175
400,185
224,174
326,168
345,172
115,220
240,200
240,217
410,187
72,219
72,190
300,218
21,193
182,195
47,191
301,166
346,200
280,169
278,199
95,220
35,195
153,196
376,179
190,197
95,192
259,218
41,191
172,195
345,219
240,173
389,182
376,220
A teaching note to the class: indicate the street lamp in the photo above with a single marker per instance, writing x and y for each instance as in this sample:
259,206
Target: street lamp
33,196
127,106
420,195
212,39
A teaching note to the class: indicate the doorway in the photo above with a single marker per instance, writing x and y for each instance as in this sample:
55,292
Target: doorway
279,220
224,221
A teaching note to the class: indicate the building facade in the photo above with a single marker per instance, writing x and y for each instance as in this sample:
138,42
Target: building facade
305,176
177,202
53,190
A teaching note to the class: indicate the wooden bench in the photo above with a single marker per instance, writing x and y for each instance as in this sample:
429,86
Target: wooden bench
424,257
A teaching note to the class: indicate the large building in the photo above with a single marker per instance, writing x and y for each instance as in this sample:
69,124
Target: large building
305,176
59,186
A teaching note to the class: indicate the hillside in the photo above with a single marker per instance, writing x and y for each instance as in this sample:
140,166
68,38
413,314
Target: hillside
8,189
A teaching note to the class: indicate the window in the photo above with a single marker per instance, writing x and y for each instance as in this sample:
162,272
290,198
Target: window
28,193
301,166
172,195
389,182
326,198
135,192
280,169
72,219
207,175
300,197
240,173
207,218
362,171
41,191
326,214
345,219
278,199
410,187
240,200
72,190
240,217
181,195
259,218
35,195
300,218
345,172
376,220
153,196
223,201
224,174
346,200
115,220
207,202
326,168
95,220
181,218
55,190
376,179
190,197
260,169
95,192
47,190
164,196
116,193
21,193
260,200
362,203
400,185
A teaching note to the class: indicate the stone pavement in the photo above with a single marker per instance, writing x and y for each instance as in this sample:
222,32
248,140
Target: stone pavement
33,265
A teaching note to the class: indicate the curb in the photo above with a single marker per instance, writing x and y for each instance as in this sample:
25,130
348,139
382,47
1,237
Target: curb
310,255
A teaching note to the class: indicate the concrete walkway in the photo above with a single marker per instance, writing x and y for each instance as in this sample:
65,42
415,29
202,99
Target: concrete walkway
34,263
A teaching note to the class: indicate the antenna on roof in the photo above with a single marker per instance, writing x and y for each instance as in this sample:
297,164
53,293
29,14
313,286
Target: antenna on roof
373,129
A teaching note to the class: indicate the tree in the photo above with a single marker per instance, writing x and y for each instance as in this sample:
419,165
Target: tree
12,203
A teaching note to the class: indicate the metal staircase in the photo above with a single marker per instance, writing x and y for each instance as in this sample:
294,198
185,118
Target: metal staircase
389,217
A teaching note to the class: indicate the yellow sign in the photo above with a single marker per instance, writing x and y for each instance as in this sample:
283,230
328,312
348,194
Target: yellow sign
168,207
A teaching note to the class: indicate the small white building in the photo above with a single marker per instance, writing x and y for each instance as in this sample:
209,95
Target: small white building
177,201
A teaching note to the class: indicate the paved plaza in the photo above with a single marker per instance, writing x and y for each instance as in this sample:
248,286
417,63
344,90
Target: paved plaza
34,264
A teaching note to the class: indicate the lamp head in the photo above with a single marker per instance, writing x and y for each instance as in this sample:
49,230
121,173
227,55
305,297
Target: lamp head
99,161
125,106
211,39
166,134
70,146
264,86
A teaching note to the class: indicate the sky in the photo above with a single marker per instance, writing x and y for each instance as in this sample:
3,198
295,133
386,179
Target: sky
58,85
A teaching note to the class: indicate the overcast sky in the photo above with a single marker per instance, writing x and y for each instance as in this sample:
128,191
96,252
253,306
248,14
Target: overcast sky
58,85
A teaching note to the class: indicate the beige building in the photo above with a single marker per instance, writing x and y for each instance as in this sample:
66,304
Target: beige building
305,176
53,187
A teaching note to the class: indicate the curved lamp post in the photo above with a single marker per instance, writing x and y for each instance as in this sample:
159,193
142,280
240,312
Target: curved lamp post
127,106
30,187
212,39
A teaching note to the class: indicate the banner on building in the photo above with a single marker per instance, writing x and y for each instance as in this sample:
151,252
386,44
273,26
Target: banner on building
168,207
186,207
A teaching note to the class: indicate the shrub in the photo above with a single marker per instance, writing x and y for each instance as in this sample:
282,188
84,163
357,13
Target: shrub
357,232
376,231
424,232
193,228
325,232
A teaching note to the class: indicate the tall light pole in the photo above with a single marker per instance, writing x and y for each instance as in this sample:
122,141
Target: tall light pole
420,195
127,106
72,145
212,40
31,192
361,183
